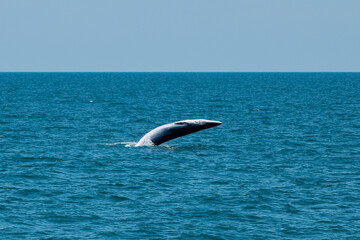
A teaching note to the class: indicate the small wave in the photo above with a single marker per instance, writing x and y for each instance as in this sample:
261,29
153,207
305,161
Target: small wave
111,144
119,198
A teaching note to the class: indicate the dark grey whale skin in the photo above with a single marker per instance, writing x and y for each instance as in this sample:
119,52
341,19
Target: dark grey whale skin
177,129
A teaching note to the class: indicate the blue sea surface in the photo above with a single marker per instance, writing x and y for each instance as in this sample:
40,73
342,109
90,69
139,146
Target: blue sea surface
285,163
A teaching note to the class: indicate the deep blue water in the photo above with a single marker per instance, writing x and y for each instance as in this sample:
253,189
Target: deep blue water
285,163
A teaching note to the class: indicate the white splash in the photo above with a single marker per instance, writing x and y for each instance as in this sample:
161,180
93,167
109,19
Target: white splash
127,144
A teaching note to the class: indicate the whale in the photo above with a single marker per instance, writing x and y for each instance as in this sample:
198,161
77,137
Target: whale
173,130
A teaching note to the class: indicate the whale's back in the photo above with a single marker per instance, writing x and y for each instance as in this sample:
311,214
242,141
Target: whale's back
174,130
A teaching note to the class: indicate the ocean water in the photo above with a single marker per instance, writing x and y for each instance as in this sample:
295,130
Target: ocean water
285,163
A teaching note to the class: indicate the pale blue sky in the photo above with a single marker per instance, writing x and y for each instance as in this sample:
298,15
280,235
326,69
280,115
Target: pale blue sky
180,35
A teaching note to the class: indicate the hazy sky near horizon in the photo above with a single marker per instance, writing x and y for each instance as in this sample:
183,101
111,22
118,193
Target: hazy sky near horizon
179,35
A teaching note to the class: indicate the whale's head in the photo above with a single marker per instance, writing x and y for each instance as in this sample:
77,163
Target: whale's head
198,124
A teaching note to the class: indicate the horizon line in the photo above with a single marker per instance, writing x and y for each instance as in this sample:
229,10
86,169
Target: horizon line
179,71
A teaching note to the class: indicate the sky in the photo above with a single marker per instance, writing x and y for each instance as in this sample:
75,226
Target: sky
179,35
